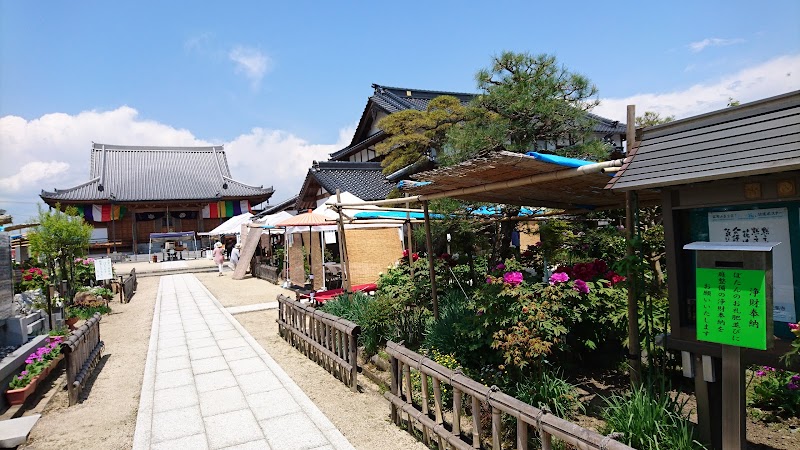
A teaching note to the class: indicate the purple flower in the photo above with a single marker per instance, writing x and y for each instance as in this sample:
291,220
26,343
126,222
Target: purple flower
760,373
489,280
512,278
796,378
500,266
29,360
24,372
581,287
792,386
559,277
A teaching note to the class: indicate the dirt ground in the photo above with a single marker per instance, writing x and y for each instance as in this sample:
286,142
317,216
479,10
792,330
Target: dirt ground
105,417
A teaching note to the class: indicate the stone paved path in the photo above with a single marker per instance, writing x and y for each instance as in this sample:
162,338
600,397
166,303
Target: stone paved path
209,384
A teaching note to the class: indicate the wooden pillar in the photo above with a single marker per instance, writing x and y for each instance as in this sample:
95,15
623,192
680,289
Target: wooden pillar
431,268
634,349
343,240
733,399
409,246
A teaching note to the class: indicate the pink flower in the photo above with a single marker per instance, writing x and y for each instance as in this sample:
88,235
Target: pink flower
489,280
24,372
760,373
414,256
405,253
581,286
558,277
794,326
500,266
512,278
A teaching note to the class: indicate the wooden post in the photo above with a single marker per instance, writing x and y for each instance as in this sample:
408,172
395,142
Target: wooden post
343,251
353,363
394,390
409,246
476,422
456,411
431,268
634,349
497,428
733,399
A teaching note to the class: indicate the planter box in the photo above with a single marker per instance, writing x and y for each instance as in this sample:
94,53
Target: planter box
18,396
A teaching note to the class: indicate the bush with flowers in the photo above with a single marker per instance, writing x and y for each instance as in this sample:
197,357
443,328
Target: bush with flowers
32,278
775,390
84,272
37,362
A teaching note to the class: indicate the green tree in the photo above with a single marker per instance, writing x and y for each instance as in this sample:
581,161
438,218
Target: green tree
414,134
58,240
651,118
526,103
732,102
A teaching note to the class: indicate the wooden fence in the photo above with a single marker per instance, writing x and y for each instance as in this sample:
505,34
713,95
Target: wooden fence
127,286
329,340
82,349
401,396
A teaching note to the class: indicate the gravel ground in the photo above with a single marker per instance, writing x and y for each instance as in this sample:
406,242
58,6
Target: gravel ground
106,415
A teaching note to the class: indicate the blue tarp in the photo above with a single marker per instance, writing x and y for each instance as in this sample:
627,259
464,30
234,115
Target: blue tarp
393,215
560,160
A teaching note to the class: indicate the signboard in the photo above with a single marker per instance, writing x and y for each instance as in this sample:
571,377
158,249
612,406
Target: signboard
103,269
762,225
732,307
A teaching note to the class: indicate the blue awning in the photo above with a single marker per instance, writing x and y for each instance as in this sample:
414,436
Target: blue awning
399,215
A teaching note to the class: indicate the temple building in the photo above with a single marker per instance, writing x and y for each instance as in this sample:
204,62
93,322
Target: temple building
134,191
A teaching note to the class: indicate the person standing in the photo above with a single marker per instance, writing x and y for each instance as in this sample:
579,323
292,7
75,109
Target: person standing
235,255
219,256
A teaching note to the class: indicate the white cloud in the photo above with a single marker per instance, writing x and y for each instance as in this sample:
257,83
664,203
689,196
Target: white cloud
53,152
250,62
774,77
713,42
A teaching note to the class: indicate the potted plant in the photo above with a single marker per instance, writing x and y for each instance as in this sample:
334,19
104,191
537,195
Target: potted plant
38,366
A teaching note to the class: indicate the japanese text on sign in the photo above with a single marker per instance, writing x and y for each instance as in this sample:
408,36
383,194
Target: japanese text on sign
732,307
102,269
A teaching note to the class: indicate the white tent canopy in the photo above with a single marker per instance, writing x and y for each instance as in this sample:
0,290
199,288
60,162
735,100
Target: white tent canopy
230,226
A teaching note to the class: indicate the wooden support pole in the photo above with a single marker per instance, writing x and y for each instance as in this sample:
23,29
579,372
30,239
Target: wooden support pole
343,251
394,389
733,399
431,268
634,349
409,246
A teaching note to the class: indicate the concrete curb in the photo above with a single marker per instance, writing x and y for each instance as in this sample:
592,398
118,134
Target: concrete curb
144,418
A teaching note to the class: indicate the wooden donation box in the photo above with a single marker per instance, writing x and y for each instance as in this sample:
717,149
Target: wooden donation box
734,308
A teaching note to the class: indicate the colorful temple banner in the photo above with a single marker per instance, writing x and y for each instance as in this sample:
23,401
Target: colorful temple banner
225,209
101,213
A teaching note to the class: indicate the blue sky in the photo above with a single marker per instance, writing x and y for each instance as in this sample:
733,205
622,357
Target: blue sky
287,81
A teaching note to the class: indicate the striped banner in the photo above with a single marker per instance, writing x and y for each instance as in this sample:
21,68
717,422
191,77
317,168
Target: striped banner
101,213
225,209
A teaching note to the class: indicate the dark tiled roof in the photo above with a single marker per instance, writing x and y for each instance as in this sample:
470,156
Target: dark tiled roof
135,173
278,207
365,180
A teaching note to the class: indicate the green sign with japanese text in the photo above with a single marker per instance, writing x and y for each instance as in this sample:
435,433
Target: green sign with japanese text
732,307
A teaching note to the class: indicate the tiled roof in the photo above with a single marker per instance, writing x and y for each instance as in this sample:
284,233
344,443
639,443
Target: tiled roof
365,180
278,207
135,173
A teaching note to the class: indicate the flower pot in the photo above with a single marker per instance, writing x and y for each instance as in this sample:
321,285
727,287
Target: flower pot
70,322
18,396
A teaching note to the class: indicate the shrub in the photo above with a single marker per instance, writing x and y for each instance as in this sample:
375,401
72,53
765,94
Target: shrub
32,279
777,390
450,335
375,316
649,421
446,360
549,390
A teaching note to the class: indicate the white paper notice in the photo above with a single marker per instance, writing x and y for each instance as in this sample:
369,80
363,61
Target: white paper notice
762,225
102,269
